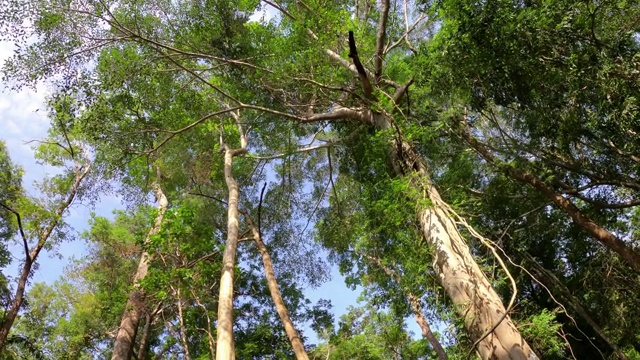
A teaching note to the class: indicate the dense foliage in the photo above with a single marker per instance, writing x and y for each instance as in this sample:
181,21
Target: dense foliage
474,166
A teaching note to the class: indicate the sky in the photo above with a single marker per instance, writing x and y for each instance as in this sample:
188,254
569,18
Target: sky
23,119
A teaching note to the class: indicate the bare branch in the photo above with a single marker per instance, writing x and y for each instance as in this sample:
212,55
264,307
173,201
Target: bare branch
280,8
209,197
405,36
308,148
328,87
191,126
339,113
611,145
333,185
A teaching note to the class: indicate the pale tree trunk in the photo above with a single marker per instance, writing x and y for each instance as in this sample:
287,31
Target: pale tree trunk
481,309
212,346
495,336
292,334
416,307
32,255
475,300
469,289
135,307
225,349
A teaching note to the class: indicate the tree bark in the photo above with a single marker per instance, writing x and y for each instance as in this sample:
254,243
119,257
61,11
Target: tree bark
211,341
32,255
225,349
474,298
294,337
424,326
135,307
183,330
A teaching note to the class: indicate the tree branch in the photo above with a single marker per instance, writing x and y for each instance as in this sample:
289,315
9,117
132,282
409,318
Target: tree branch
20,228
173,133
401,91
380,38
308,148
605,237
362,73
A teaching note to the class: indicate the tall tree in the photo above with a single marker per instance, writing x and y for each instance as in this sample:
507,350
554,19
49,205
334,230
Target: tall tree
224,345
316,90
39,221
135,307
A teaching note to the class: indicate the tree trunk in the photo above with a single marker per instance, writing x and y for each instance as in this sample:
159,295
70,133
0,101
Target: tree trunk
475,300
211,341
16,304
224,345
183,330
134,310
294,338
424,326
225,348
32,255
144,339
416,306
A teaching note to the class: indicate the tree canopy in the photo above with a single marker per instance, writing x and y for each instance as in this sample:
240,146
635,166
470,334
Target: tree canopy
472,166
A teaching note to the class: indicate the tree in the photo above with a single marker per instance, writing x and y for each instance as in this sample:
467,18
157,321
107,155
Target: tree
549,90
39,221
366,333
135,307
527,100
305,76
11,183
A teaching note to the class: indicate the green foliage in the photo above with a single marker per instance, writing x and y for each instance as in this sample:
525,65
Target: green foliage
367,334
72,318
550,86
542,330
10,192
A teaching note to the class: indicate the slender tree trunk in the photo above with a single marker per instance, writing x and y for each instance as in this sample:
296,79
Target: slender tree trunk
424,326
212,345
294,337
32,255
144,339
416,307
474,298
605,237
225,349
16,304
135,307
